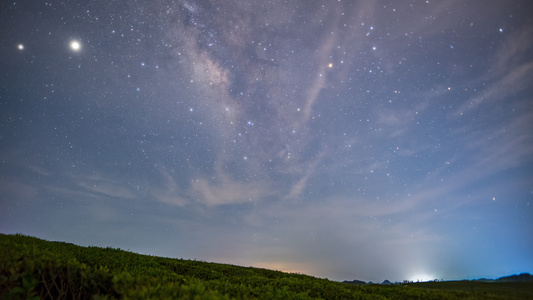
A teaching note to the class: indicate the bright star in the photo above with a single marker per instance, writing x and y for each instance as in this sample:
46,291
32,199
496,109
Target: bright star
20,47
75,45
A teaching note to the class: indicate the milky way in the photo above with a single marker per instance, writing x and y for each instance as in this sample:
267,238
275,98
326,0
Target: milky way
342,139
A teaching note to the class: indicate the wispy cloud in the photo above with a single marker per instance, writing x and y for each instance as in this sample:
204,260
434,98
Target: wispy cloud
105,187
508,73
318,83
169,192
299,187
226,191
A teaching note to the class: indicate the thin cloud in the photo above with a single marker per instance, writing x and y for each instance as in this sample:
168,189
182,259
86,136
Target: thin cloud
508,75
318,83
170,192
298,188
106,188
223,190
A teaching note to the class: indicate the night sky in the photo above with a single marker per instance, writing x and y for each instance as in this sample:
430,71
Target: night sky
343,139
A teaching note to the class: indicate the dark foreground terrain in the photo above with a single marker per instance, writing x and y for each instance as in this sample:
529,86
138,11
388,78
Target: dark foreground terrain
31,268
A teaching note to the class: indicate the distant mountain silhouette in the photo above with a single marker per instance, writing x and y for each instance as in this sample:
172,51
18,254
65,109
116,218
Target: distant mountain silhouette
355,282
524,277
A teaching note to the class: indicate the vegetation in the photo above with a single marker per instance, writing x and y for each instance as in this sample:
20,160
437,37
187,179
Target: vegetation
483,290
32,268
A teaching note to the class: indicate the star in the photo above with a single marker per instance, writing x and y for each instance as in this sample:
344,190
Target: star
75,45
20,47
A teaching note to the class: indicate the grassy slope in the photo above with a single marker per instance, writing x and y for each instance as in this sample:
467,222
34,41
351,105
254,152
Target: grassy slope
488,290
31,267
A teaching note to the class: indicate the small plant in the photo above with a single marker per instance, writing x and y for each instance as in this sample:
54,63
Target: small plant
27,290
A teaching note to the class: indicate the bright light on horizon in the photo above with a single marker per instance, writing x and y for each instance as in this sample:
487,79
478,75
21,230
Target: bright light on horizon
422,277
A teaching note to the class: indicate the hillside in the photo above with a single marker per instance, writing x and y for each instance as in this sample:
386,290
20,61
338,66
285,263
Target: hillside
31,268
